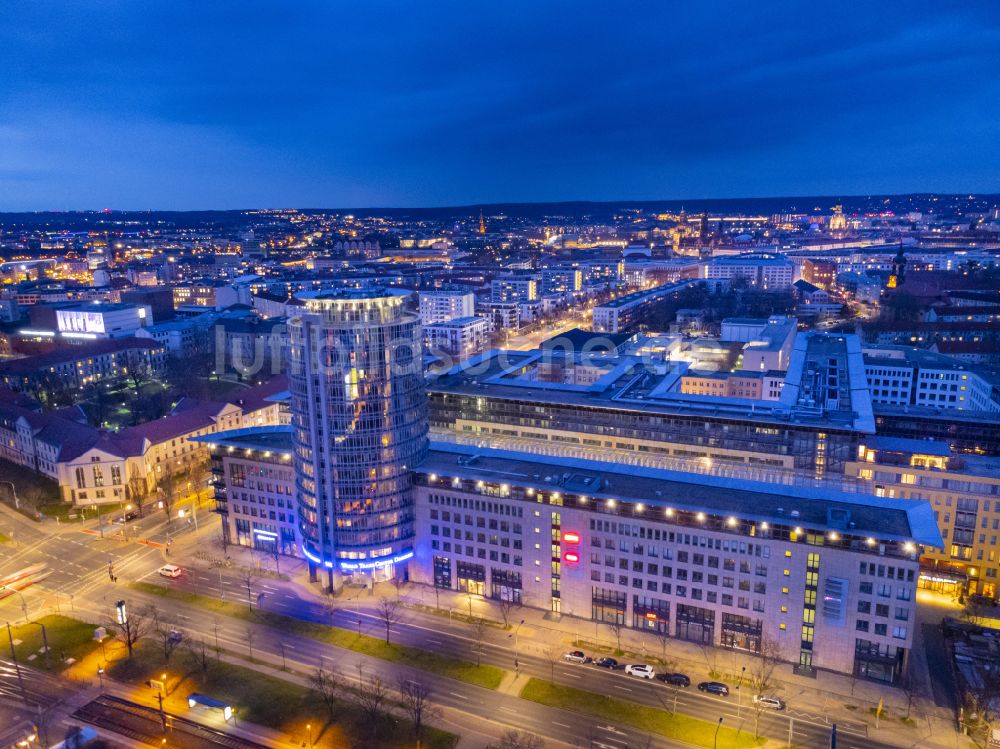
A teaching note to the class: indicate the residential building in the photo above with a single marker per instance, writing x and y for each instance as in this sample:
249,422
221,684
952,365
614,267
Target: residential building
444,306
460,337
761,272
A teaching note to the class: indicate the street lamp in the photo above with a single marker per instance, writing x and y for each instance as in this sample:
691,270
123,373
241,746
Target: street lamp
715,741
516,629
24,604
739,693
13,491
17,667
309,730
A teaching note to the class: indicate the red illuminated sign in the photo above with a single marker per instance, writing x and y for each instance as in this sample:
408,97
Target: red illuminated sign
571,537
651,616
571,557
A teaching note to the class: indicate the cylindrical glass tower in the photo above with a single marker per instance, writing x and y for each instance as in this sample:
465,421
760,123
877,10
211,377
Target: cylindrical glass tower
359,412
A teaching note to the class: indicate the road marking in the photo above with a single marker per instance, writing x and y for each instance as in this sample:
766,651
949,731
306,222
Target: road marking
624,689
612,729
557,723
511,710
460,696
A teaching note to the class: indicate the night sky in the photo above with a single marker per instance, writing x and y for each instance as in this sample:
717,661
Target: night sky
180,105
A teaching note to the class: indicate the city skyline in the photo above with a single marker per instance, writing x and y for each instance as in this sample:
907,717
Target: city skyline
162,109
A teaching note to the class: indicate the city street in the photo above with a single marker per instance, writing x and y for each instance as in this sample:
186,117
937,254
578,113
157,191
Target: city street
80,582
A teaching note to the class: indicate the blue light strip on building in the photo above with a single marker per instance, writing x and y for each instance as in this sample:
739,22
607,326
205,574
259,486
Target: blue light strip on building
345,565
377,564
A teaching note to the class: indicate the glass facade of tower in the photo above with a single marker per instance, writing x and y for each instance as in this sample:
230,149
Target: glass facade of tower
359,413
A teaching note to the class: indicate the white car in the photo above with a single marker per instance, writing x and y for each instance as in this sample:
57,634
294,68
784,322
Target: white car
772,703
641,670
576,656
170,570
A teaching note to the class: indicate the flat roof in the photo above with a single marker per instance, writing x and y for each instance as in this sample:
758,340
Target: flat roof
277,439
817,507
633,386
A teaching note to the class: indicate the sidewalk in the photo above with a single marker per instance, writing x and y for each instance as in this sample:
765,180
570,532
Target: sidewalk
839,698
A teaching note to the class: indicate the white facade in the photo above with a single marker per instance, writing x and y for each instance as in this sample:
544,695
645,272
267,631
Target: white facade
461,337
761,272
514,289
442,306
903,376
828,588
103,321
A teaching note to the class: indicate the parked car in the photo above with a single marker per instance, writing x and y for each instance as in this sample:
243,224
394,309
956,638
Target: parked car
576,656
606,663
175,636
128,517
714,687
170,570
771,703
677,680
641,670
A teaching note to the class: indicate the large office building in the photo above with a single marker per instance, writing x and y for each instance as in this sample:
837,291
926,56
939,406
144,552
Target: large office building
587,485
907,376
359,414
828,578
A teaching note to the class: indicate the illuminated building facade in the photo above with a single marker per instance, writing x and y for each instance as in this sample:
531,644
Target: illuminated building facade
359,417
827,579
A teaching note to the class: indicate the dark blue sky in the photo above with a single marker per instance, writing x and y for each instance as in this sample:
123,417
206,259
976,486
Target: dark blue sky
181,104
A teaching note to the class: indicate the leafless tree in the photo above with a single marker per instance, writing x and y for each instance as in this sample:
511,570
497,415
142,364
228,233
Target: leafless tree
250,636
134,628
136,487
479,630
248,576
330,608
415,697
975,609
518,740
326,684
663,636
553,654
169,636
616,629
760,676
389,612
198,651
138,370
168,487
910,692
397,583
215,629
505,607
372,695
709,653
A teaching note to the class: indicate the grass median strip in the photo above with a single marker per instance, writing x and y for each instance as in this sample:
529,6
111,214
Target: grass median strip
453,668
649,719
279,704
67,638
